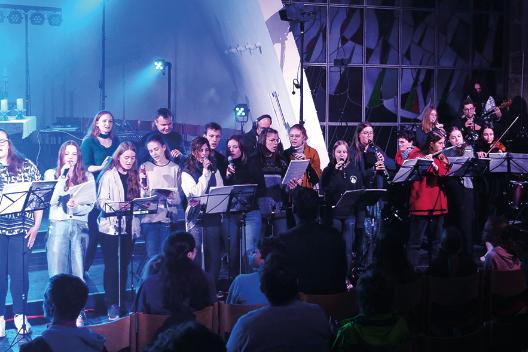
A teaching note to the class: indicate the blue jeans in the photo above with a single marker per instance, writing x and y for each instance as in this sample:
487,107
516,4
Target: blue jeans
14,253
67,241
155,234
232,238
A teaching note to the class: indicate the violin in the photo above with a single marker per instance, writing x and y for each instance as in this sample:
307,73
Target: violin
497,146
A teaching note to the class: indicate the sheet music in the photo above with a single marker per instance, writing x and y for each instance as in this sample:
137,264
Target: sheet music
499,162
409,166
84,193
13,197
218,199
457,163
145,205
296,170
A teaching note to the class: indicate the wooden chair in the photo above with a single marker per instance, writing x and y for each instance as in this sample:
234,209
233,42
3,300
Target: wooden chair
144,328
339,306
450,299
208,317
116,333
228,315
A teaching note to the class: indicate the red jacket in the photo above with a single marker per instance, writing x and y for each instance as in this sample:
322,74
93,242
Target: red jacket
427,194
415,152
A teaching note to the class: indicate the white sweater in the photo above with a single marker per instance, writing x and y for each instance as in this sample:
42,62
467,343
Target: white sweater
81,211
161,177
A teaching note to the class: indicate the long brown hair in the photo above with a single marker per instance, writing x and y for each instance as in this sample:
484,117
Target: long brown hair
94,130
79,176
427,125
133,177
240,140
356,144
433,137
15,160
196,145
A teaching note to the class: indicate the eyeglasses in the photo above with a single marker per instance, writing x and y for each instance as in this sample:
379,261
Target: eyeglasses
469,109
274,140
367,133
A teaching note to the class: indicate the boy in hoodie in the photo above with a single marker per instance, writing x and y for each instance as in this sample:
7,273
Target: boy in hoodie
64,298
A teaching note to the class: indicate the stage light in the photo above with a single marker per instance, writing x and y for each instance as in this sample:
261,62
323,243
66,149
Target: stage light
159,65
241,113
55,19
15,17
37,18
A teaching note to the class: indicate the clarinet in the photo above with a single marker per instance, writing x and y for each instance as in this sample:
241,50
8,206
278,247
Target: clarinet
386,175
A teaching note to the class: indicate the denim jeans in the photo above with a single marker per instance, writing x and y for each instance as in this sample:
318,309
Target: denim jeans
232,238
14,253
67,240
154,233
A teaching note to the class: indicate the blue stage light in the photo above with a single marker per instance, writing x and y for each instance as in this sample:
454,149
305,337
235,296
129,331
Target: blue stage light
55,19
241,112
37,18
159,65
15,17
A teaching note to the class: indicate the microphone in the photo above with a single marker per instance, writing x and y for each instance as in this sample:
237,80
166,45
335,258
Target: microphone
212,166
65,172
230,161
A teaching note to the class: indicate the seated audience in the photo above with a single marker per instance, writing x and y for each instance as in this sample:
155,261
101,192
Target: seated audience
64,298
181,286
188,336
376,327
245,288
287,324
316,251
502,254
452,260
390,259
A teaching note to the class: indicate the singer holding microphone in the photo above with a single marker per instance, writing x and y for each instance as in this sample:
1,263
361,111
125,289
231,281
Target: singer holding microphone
159,172
338,177
241,170
428,201
198,177
68,228
97,148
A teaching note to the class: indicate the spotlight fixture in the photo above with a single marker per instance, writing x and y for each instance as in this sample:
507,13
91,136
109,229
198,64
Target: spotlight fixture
241,113
14,17
159,65
37,18
55,19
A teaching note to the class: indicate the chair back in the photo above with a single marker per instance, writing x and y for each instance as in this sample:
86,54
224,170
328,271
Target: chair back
339,306
228,315
208,317
453,290
116,333
144,328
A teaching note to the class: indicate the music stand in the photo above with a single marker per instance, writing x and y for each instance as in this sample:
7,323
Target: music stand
25,197
510,163
467,166
137,206
358,198
412,169
215,202
241,199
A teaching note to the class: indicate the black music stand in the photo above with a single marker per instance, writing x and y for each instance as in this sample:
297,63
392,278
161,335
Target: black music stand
467,167
19,198
137,206
358,198
412,169
241,199
215,202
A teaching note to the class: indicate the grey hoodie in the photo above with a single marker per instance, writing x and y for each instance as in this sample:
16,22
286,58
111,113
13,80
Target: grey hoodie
68,339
